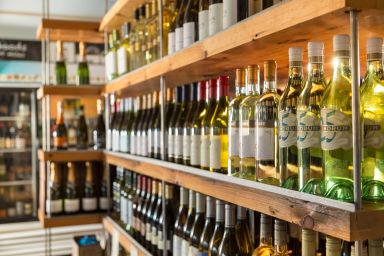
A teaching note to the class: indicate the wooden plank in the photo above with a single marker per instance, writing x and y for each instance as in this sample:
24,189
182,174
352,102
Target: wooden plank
70,219
70,155
70,30
69,91
125,239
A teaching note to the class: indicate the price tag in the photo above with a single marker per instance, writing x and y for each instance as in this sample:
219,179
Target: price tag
115,243
133,251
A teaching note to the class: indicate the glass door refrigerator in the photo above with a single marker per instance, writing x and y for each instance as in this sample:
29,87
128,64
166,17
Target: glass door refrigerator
18,149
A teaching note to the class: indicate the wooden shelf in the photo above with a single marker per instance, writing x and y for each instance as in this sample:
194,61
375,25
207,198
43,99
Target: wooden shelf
328,216
70,155
125,240
70,31
70,220
69,91
258,38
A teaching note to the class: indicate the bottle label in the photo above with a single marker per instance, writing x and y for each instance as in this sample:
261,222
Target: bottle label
233,136
148,232
187,147
123,209
184,247
287,129
179,39
133,144
178,146
115,140
109,140
217,151
336,130
248,139
156,142
171,145
160,241
123,141
103,203
110,64
189,33
20,143
150,142
142,228
265,141
215,17
308,130
192,251
195,150
71,205
203,24
89,204
229,13
177,245
144,145
204,151
139,144
130,213
171,43
154,236
54,206
122,60
373,134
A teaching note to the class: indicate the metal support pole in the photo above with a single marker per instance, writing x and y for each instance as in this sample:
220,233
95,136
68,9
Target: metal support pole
48,121
34,149
356,125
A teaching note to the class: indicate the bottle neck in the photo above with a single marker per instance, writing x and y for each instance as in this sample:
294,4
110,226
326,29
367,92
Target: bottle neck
269,86
192,200
240,90
210,207
202,94
241,213
183,197
315,68
219,211
195,92
342,62
266,230
295,73
168,192
89,173
222,92
154,188
230,217
60,116
281,243
200,203
375,65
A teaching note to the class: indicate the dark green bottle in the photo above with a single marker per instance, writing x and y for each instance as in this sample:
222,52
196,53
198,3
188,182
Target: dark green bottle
82,75
60,68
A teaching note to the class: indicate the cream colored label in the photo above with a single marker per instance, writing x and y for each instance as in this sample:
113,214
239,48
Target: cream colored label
71,205
247,139
215,17
171,145
193,251
103,203
171,43
336,130
265,143
122,64
287,129
110,64
217,151
54,206
89,204
308,130
203,24
233,139
184,247
188,34
176,245
186,147
179,39
204,151
229,13
195,150
373,134
179,146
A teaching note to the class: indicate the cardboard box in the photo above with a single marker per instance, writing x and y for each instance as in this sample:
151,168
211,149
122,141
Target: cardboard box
85,250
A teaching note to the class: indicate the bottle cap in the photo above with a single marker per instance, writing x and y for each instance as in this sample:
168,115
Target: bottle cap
295,54
315,48
341,42
374,45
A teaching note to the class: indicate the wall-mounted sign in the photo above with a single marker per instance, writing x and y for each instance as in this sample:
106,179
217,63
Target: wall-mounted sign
20,50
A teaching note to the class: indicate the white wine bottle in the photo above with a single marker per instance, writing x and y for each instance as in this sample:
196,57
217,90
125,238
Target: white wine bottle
265,247
333,246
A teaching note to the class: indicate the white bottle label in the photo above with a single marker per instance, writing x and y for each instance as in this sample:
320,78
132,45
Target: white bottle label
115,141
144,145
265,142
156,141
123,209
122,63
373,135
103,203
130,219
109,139
150,141
171,43
195,150
248,139
89,204
20,143
336,130
179,39
111,64
193,251
187,147
203,24
287,129
71,205
229,13
308,130
184,247
176,245
154,236
204,151
139,144
171,145
148,232
215,152
123,141
160,240
189,33
178,146
233,139
215,18
54,206
133,144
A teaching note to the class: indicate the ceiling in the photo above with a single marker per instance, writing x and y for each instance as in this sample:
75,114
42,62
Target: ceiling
20,18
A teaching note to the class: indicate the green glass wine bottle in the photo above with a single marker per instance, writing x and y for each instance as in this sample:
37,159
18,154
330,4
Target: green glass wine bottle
60,67
243,233
265,247
209,227
229,245
198,225
219,230
336,121
82,75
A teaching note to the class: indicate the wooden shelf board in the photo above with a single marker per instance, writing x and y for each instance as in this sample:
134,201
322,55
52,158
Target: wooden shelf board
70,90
335,218
256,39
70,155
70,220
70,31
125,240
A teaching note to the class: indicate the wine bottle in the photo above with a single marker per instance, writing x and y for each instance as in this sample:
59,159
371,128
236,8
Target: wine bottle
234,120
230,15
180,122
124,193
134,132
248,125
375,247
132,200
245,8
172,124
134,41
206,123
219,230
190,25
141,27
308,245
98,132
150,213
288,122
265,247
119,116
353,253
143,128
187,140
125,128
139,208
180,222
373,183
203,19
144,210
198,225
209,227
71,197
82,130
143,117
333,246
243,234
111,57
281,243
135,208
308,124
111,121
124,115
89,200
229,245
215,16
188,223
104,202
169,110
166,220
154,128
60,67
156,219
218,148
125,50
179,33
174,9
54,206
267,142
117,187
82,74
336,130
197,124
346,249
60,135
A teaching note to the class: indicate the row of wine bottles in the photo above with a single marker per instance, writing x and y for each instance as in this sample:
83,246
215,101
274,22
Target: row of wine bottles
184,22
300,140
203,225
76,187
